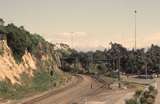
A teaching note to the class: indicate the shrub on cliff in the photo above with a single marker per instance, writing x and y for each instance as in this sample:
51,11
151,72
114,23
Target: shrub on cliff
20,40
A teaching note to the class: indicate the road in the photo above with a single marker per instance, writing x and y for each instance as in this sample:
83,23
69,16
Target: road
69,94
81,92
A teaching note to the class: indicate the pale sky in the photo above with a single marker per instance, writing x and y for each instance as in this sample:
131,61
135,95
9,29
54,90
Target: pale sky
92,23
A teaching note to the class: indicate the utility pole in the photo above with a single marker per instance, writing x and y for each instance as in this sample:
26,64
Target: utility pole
119,67
119,74
135,35
146,71
72,34
146,66
135,12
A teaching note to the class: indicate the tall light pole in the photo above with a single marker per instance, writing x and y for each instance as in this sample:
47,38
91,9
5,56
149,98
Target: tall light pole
135,12
135,35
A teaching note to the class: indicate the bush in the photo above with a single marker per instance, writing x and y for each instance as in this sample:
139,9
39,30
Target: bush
20,40
131,101
1,51
145,97
3,30
138,93
41,81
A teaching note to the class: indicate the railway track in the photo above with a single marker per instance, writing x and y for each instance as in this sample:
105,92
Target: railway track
37,99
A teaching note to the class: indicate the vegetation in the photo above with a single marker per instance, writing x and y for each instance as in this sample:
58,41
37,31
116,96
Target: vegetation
143,97
1,51
105,62
119,57
1,21
20,40
41,81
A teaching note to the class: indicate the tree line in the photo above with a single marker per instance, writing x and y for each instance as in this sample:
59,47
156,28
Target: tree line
117,57
129,61
20,40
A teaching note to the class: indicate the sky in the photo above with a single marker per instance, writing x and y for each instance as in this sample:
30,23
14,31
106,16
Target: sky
87,24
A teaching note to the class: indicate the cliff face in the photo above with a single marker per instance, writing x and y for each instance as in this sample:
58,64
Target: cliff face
11,71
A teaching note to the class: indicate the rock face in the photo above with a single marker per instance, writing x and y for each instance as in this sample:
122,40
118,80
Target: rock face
11,71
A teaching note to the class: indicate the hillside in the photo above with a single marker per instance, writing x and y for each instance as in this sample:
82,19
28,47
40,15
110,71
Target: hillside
28,63
10,70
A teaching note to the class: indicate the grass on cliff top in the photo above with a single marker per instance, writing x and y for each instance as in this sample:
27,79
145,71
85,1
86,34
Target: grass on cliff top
41,81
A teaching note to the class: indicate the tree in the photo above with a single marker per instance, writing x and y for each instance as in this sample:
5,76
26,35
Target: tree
1,22
153,55
20,40
118,54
